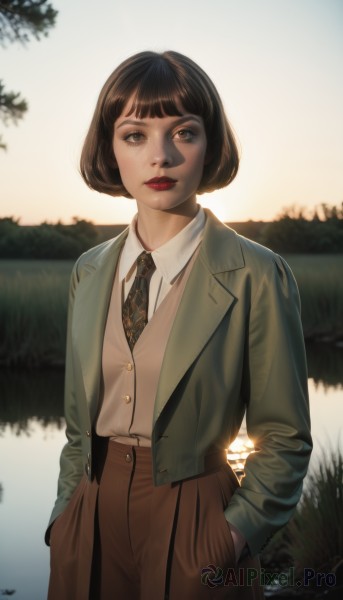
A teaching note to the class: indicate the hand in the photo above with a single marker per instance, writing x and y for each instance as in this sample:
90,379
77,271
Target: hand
239,541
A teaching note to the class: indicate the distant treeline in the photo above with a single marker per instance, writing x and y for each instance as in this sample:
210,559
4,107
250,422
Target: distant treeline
299,231
294,231
50,241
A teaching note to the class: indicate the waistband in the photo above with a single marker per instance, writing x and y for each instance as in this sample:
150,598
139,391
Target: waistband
142,456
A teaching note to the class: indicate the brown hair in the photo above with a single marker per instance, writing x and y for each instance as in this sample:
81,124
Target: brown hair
158,84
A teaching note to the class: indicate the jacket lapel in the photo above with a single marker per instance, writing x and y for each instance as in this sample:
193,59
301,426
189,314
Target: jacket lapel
91,307
204,303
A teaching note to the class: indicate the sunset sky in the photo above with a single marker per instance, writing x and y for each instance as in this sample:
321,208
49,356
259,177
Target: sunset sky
276,63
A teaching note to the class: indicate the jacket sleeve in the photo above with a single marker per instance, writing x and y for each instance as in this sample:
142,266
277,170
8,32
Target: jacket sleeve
71,463
275,390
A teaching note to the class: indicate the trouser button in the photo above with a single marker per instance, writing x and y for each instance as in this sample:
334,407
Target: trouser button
128,458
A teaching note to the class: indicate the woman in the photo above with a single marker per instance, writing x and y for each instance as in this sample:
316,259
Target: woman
176,328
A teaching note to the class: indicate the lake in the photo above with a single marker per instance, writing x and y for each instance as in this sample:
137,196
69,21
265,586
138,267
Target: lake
31,438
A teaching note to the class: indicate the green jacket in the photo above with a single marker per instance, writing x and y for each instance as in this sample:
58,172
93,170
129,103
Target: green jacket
236,344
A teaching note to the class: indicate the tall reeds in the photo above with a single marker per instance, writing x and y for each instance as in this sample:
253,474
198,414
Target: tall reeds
313,539
34,296
33,312
320,282
316,531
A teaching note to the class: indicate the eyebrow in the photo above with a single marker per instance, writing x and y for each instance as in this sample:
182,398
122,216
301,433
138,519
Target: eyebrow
141,122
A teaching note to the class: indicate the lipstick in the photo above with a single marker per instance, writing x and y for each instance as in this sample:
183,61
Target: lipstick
160,184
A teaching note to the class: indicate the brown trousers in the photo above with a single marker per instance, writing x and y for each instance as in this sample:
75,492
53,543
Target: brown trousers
122,538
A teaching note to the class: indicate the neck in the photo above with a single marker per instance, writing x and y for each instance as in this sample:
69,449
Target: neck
155,227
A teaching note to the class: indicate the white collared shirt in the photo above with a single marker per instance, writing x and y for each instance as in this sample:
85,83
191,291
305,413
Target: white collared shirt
170,259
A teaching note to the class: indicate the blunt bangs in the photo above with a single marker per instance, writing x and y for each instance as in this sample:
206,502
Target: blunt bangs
157,93
158,85
157,89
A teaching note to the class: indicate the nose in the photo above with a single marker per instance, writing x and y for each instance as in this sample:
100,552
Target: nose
161,152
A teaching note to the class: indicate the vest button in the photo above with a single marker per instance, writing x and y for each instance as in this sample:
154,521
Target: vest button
127,399
129,366
128,458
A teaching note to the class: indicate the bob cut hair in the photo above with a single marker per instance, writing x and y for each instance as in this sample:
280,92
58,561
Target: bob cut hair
158,85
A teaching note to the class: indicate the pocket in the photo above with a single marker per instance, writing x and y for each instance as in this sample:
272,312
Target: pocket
225,535
227,483
64,522
214,540
52,528
71,549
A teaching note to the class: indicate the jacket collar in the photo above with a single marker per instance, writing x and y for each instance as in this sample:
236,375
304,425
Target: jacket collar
220,250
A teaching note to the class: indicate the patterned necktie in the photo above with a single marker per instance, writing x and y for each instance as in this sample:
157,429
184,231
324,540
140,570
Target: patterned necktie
135,308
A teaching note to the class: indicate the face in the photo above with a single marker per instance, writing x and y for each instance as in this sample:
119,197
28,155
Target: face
160,160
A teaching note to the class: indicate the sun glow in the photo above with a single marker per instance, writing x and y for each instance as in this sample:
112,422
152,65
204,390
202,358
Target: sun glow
238,452
215,205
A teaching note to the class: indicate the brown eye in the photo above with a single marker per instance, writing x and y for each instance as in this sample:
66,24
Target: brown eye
185,134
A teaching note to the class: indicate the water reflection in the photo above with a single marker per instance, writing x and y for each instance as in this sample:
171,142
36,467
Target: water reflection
325,364
30,394
31,438
28,474
39,393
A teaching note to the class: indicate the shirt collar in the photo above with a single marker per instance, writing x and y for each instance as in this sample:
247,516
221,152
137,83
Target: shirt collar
171,257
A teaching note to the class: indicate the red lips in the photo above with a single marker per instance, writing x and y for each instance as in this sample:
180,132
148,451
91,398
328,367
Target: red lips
161,183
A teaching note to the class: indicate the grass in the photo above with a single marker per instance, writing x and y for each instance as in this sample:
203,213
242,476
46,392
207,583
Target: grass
320,282
313,538
33,312
34,293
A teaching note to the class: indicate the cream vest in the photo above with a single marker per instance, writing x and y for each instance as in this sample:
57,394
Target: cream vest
130,380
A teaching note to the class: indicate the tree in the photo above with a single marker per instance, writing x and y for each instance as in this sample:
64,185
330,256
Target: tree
19,21
12,108
298,230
